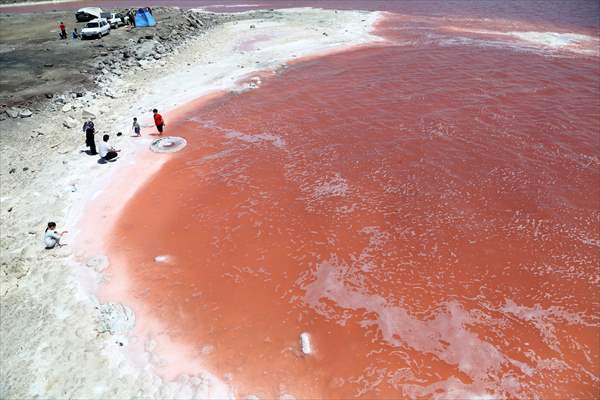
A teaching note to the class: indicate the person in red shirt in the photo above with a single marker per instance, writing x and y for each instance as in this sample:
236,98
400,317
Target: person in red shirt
63,30
158,121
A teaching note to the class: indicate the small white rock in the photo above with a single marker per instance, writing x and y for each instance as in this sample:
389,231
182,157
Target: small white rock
69,122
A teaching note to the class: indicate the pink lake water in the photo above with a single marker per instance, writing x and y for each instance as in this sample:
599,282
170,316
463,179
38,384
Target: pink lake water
428,211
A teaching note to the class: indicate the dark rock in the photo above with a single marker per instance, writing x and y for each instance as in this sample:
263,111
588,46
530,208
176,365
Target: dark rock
12,171
49,95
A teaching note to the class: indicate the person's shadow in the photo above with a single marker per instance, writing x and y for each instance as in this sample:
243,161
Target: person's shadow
105,161
88,152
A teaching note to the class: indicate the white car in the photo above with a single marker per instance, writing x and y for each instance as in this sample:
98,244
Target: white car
96,28
114,20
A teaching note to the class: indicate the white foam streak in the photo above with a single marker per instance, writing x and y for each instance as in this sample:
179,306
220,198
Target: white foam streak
570,42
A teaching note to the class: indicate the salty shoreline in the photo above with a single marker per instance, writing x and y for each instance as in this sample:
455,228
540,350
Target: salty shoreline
57,339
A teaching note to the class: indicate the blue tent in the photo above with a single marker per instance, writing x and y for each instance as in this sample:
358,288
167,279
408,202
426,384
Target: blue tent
144,18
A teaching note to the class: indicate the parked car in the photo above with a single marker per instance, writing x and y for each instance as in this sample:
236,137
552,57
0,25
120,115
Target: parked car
115,20
87,14
95,29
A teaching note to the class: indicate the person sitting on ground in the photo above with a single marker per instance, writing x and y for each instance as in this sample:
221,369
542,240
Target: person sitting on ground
106,151
52,237
89,137
63,30
136,127
158,121
75,34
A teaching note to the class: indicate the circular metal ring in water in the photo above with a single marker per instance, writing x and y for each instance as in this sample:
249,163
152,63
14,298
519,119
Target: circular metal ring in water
168,144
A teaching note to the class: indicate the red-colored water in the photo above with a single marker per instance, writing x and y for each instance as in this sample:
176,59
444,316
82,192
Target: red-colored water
428,211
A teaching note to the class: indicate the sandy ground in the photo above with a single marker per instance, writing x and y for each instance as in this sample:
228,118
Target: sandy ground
56,339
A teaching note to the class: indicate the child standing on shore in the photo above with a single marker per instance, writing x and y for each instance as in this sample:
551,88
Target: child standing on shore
158,121
136,127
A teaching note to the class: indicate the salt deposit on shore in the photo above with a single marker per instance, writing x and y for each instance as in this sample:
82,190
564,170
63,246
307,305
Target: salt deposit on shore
57,340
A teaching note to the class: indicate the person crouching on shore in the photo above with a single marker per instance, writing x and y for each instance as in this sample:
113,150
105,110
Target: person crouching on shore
136,128
158,121
52,237
106,151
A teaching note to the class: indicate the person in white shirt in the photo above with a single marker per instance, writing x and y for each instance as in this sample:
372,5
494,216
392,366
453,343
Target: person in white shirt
51,236
107,151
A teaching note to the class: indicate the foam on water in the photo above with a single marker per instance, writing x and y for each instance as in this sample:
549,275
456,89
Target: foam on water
554,39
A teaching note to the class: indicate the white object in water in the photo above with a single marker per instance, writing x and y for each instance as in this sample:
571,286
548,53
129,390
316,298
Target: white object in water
161,258
168,144
305,343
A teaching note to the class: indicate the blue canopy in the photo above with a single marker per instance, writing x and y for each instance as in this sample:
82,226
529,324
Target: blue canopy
144,18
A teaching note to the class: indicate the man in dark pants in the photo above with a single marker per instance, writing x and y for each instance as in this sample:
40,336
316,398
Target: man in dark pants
107,151
63,30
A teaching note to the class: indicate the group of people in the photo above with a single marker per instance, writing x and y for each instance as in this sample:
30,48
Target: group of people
107,152
63,32
52,237
75,35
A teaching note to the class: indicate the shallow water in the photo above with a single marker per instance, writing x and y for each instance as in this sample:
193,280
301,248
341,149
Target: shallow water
428,210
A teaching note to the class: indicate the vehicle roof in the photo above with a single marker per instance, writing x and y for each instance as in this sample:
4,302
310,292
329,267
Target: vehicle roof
88,9
97,20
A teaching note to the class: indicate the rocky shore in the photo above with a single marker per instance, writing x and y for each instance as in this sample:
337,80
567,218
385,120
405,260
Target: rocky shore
39,70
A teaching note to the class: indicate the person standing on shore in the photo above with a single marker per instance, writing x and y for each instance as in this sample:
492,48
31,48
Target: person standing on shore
63,30
132,18
158,121
136,128
89,130
51,236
